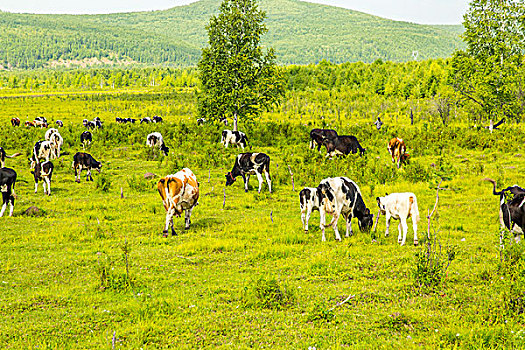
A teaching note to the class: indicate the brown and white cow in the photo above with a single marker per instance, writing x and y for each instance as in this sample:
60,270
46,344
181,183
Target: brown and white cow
179,193
397,149
400,206
15,121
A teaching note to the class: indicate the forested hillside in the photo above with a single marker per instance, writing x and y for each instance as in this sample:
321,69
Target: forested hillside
300,32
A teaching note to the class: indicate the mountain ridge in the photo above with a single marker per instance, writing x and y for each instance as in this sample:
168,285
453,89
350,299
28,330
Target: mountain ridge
300,32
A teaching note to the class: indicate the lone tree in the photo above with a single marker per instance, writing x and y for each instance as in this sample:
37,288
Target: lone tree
238,79
489,74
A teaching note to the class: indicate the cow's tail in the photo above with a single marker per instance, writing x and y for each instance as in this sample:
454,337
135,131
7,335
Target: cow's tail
13,155
413,209
494,187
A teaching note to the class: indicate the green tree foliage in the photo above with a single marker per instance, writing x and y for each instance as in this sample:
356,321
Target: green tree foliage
489,74
238,79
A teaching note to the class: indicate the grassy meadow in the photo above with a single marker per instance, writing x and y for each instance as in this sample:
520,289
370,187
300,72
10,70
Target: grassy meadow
93,271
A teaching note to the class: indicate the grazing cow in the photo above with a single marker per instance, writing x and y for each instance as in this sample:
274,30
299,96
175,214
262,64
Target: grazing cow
179,192
98,124
42,150
317,136
49,132
511,211
247,164
43,172
378,123
85,122
146,120
157,119
131,120
343,145
15,121
86,138
201,121
40,122
119,120
29,124
400,206
155,140
7,188
342,196
91,125
397,149
237,138
3,156
83,161
310,199
54,136
59,123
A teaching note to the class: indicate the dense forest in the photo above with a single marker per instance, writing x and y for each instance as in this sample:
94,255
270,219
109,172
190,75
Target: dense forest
300,32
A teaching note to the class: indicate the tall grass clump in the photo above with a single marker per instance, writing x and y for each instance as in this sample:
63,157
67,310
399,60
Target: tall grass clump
268,294
431,265
512,268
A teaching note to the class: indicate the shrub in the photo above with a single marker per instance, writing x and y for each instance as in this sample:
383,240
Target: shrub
321,314
432,264
415,172
267,294
103,182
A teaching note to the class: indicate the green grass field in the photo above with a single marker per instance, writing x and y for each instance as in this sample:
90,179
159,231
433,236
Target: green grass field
93,271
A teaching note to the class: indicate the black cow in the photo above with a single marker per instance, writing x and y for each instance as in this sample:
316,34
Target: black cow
512,211
43,172
86,138
317,136
157,119
247,164
83,161
343,145
3,156
7,188
342,196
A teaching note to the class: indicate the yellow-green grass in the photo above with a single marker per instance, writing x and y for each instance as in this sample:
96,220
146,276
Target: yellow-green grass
191,290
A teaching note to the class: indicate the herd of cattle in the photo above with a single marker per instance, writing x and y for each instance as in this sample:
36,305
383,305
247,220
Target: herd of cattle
337,196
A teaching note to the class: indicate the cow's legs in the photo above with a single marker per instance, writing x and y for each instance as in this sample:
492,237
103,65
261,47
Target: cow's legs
334,225
36,186
4,195
414,226
322,222
187,216
268,180
89,175
46,180
260,179
305,217
404,224
11,205
388,217
349,231
246,179
169,221
400,235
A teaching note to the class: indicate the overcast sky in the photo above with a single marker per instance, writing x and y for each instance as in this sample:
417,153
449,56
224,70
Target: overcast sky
419,11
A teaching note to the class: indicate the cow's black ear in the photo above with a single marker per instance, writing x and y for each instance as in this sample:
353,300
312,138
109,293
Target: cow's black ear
386,193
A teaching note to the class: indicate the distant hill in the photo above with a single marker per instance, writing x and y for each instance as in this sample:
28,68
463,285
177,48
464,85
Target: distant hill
300,32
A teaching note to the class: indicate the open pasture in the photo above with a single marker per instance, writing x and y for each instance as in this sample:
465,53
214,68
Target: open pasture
93,270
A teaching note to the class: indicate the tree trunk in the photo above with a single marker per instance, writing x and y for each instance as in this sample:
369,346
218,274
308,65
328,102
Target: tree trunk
235,121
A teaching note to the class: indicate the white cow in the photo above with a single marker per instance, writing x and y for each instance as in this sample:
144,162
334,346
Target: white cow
310,199
54,136
400,206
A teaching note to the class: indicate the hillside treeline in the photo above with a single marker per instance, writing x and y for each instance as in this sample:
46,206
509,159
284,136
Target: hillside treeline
300,32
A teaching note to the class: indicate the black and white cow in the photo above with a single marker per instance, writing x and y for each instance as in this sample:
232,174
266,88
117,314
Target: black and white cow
3,156
343,145
86,138
146,120
54,136
511,211
155,140
83,161
342,196
7,188
247,164
157,119
317,136
237,138
201,121
310,199
42,150
59,123
43,172
40,122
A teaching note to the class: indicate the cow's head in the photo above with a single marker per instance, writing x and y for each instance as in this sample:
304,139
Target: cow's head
97,166
365,223
229,179
381,204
